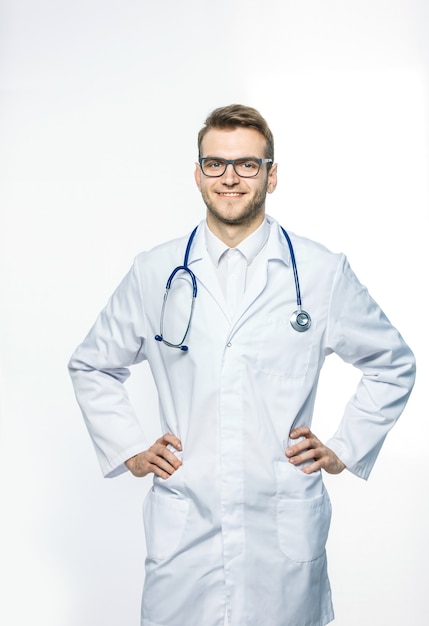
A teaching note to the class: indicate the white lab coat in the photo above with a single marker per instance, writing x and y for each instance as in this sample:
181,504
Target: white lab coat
237,526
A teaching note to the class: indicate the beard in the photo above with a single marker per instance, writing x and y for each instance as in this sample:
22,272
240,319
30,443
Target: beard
248,213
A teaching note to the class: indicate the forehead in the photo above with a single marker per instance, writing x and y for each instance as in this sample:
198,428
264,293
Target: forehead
233,143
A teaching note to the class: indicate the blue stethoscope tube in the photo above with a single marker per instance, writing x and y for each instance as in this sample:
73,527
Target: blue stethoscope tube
300,320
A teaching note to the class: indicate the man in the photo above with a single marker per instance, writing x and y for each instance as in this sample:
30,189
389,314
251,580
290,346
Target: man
237,519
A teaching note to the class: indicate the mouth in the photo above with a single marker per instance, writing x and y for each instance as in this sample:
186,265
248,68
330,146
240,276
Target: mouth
229,194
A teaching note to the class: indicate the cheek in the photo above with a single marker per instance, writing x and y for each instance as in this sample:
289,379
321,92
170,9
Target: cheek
261,191
206,188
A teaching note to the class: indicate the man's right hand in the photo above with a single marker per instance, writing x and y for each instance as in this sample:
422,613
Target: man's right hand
158,459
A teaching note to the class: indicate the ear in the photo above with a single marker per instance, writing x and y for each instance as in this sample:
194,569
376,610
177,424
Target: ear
197,175
272,179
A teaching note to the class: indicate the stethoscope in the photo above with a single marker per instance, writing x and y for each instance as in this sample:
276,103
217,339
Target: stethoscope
300,320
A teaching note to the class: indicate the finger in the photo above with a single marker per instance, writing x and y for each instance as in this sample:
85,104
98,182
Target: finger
301,431
306,455
160,456
158,471
303,445
169,438
310,469
160,451
310,443
326,461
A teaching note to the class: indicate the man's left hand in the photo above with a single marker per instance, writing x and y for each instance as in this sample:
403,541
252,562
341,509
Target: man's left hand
312,449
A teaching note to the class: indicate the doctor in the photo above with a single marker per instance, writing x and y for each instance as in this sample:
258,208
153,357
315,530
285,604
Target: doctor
238,516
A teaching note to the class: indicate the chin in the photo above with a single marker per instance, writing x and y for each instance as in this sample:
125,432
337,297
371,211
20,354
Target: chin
237,218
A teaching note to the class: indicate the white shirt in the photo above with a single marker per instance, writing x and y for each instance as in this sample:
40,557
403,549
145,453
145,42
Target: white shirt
235,267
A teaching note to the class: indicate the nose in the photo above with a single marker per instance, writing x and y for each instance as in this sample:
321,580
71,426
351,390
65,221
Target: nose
230,177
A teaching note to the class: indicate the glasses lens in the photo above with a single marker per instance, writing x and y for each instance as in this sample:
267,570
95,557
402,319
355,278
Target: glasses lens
213,167
246,167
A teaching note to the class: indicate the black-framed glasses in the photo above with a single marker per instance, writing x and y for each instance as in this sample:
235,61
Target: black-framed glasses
246,167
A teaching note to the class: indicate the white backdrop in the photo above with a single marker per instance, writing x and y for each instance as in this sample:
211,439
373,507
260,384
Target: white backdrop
96,95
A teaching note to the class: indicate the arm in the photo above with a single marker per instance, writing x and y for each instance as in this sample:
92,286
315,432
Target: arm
98,369
360,333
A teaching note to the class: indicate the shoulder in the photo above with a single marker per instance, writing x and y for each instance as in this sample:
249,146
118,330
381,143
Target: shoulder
171,251
305,249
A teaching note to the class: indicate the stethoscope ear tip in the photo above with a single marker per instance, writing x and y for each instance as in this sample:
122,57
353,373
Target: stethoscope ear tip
161,338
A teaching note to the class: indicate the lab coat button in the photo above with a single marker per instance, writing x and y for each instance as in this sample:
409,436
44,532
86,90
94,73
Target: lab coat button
229,344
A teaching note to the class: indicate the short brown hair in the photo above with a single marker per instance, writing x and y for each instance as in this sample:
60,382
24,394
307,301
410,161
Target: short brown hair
238,115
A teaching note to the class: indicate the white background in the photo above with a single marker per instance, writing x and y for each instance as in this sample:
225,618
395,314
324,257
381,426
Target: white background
97,98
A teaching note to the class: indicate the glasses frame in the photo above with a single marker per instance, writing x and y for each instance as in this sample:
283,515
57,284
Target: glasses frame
232,162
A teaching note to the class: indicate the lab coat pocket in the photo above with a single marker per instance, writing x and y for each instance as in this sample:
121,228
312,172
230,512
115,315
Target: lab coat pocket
303,513
281,350
164,523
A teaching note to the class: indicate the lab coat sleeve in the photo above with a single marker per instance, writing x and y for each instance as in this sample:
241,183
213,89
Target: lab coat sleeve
98,369
360,333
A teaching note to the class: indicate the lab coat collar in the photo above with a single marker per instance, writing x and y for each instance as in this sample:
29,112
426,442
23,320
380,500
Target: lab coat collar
202,265
277,247
249,247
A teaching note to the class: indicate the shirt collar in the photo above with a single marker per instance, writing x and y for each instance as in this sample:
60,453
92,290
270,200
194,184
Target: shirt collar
249,247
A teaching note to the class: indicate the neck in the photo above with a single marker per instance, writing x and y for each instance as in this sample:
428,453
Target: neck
233,234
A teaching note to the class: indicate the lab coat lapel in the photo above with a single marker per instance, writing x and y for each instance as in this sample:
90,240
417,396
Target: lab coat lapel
276,249
202,266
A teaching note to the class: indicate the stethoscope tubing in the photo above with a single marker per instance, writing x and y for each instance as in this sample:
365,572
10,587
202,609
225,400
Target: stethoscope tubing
294,267
300,319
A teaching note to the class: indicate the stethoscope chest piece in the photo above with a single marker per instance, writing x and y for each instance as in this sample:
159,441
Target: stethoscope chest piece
300,320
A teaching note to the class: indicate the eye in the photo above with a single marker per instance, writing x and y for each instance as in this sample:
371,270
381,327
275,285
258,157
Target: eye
249,166
213,164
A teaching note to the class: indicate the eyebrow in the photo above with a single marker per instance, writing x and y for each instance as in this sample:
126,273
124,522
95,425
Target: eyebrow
209,156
